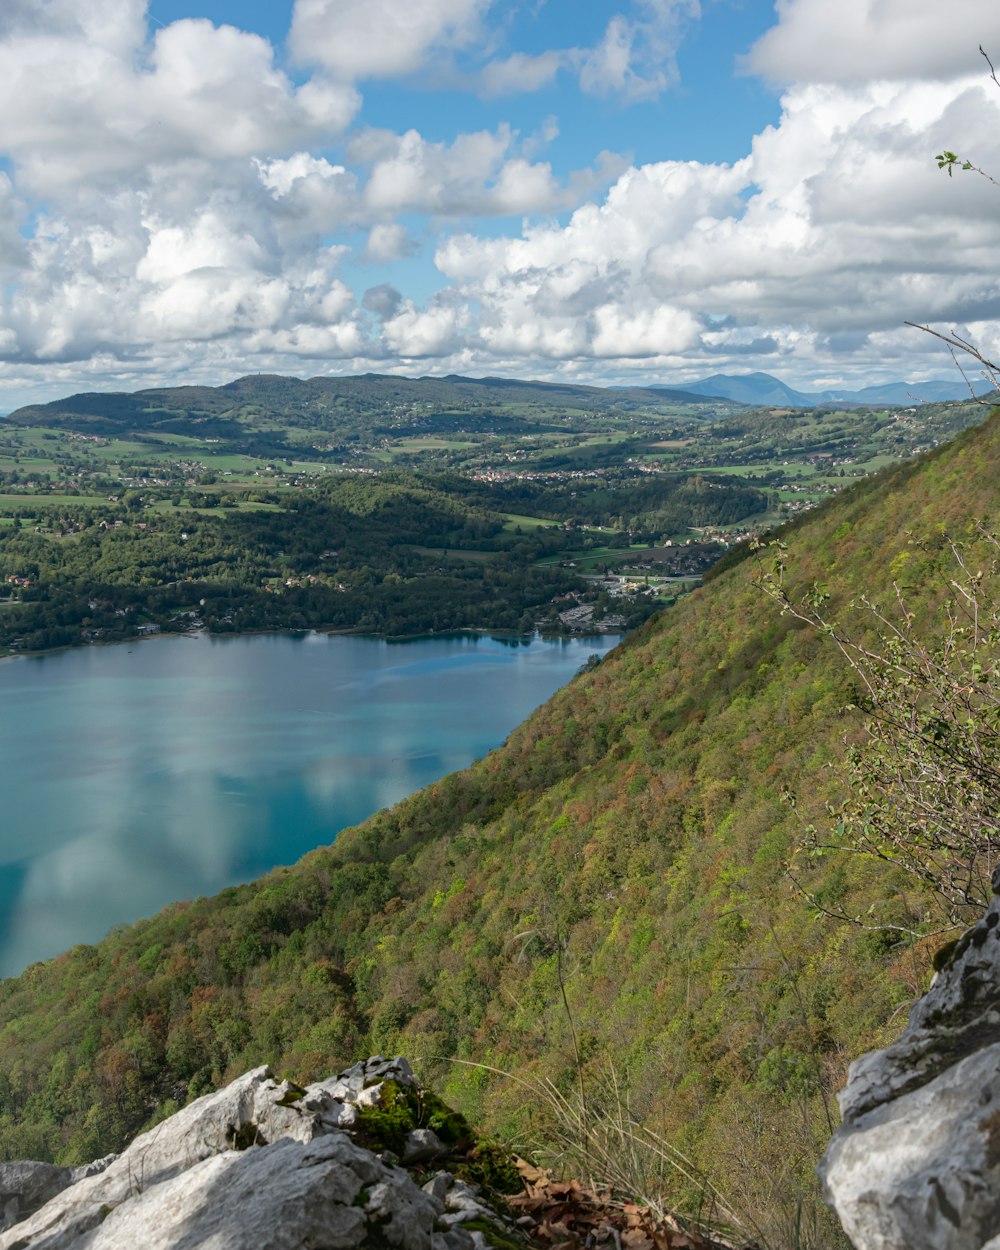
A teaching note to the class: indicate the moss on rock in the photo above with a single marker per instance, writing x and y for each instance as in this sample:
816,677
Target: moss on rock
473,1158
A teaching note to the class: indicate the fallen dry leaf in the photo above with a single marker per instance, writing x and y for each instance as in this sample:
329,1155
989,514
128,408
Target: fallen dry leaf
560,1214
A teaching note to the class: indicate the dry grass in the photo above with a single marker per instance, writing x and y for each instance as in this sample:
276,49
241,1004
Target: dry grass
593,1135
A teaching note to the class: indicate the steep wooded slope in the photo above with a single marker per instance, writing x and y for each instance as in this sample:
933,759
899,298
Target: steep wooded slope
628,842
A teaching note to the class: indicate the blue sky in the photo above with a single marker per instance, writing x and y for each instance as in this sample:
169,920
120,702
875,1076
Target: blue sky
646,191
708,116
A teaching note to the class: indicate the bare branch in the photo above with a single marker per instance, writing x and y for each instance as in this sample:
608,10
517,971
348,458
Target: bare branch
990,371
993,73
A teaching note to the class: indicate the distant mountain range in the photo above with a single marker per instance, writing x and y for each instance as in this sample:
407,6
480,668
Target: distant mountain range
315,399
764,388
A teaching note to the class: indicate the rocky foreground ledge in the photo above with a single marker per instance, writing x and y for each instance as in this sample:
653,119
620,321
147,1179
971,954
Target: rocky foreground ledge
916,1163
274,1166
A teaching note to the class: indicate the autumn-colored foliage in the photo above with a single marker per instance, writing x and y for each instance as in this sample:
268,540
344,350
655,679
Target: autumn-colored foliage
627,848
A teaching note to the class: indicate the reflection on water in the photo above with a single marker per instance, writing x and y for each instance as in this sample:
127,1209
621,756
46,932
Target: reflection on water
131,776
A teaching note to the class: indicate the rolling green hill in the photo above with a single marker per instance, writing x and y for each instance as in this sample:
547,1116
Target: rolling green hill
626,847
339,405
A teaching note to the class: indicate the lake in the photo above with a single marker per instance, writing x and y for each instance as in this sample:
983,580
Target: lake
131,776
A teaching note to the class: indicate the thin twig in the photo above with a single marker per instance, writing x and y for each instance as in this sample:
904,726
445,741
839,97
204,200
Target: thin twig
955,343
993,73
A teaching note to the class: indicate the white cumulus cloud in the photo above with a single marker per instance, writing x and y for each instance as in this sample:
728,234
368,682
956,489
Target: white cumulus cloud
174,201
637,57
357,39
477,174
520,72
388,241
836,226
91,105
413,333
860,40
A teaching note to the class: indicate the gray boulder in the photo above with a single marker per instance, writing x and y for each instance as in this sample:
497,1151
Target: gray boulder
260,1163
916,1163
26,1186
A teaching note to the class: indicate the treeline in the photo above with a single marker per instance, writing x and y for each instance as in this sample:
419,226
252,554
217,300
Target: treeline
645,507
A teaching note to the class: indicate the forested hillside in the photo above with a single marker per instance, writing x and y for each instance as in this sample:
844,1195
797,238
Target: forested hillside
347,404
627,846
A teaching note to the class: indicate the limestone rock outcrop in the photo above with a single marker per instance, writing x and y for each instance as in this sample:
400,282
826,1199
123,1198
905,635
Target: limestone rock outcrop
916,1162
261,1163
25,1186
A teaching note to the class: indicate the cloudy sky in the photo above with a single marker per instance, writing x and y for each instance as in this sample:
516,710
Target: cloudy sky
603,191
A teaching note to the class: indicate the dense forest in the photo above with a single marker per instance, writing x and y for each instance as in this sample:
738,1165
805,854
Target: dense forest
641,508
607,898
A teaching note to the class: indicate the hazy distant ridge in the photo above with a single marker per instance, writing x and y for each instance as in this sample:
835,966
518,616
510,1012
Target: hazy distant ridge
764,388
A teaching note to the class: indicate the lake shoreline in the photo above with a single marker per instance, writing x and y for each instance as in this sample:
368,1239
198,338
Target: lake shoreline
467,632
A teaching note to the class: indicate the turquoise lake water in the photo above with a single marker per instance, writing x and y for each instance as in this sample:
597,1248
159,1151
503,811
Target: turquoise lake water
131,776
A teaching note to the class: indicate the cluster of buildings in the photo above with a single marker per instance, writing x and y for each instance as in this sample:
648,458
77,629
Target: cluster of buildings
581,620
